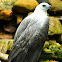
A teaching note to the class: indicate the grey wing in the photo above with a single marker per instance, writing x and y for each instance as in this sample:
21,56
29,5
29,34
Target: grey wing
21,28
27,43
20,49
20,45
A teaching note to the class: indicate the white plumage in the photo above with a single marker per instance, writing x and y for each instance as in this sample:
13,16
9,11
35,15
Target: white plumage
31,35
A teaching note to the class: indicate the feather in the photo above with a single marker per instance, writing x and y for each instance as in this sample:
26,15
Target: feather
30,37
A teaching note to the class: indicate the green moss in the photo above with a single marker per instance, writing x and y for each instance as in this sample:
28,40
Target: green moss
55,26
6,4
54,48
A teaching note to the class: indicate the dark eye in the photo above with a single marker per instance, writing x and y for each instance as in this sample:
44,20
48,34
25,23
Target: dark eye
43,5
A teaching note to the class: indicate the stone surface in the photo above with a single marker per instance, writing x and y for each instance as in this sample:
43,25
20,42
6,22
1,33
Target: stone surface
6,4
24,6
3,48
4,35
56,5
19,18
5,44
53,50
10,28
55,26
6,14
59,17
6,9
51,46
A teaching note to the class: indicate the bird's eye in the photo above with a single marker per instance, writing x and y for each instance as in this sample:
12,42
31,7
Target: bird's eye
43,5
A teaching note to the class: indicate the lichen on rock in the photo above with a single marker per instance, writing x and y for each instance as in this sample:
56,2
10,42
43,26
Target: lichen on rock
24,6
56,5
5,44
6,9
55,26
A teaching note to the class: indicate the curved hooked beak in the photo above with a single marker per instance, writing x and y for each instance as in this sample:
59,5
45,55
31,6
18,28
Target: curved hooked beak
49,7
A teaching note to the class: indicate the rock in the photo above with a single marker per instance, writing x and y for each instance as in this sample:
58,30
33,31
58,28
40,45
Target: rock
6,14
47,50
10,28
55,26
19,18
4,57
56,5
6,4
5,44
4,35
46,44
53,47
59,17
10,43
3,47
6,9
24,6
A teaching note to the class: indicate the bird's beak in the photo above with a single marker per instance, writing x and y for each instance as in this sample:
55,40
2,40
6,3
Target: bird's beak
50,7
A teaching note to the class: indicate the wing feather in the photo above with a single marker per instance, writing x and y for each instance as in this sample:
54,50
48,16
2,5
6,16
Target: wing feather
20,43
21,28
29,38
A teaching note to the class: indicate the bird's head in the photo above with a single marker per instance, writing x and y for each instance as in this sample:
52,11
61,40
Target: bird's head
44,6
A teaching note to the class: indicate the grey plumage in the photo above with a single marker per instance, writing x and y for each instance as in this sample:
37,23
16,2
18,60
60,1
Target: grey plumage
30,37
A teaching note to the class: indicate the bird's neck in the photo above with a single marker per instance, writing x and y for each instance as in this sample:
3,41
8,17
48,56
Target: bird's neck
40,11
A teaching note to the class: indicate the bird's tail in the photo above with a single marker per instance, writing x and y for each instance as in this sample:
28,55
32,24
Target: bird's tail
19,57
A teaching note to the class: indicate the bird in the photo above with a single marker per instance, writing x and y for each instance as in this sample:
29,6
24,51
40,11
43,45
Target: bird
30,35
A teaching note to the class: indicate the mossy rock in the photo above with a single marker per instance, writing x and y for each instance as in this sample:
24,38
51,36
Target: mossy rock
24,6
55,26
6,14
56,5
6,4
54,48
51,46
6,9
5,44
4,35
